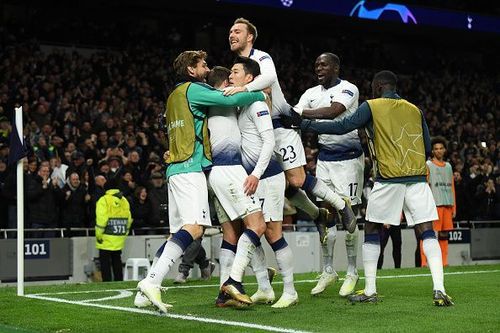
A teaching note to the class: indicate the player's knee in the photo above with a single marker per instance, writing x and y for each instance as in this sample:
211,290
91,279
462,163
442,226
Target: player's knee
424,228
230,237
272,233
296,178
195,230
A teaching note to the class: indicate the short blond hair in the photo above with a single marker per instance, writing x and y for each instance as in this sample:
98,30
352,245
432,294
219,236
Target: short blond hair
252,29
188,59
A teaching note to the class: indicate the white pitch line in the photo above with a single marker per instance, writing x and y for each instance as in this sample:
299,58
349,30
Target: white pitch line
254,283
171,315
127,293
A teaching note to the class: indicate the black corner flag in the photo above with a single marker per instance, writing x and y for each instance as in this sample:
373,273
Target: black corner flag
17,150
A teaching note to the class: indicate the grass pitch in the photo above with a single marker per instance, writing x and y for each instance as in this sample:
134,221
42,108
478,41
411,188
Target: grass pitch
406,307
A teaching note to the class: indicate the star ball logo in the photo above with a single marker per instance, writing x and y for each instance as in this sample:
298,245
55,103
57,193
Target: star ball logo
287,3
375,13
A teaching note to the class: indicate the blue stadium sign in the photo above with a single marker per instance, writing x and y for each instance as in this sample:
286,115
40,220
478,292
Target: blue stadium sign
394,12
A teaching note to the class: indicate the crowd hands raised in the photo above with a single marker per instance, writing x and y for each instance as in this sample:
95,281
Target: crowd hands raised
94,116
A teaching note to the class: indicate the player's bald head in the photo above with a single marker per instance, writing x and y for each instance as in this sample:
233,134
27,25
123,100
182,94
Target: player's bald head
330,57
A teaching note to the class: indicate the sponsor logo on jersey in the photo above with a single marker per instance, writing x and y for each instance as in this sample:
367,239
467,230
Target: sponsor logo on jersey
348,92
264,57
262,113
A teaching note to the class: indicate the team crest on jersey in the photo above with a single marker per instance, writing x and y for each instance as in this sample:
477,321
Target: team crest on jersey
262,113
348,92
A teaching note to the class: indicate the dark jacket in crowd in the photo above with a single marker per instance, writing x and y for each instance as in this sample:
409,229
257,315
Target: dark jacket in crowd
43,206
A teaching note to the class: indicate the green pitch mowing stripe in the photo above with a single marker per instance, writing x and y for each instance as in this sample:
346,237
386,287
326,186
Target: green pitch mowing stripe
169,315
405,276
406,307
12,329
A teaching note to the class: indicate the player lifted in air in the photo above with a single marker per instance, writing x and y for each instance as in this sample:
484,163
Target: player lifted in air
242,36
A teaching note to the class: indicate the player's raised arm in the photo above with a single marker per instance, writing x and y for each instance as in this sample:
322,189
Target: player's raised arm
203,95
267,75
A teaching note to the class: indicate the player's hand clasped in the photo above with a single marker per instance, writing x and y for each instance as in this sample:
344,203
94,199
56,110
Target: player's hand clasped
292,120
250,185
233,90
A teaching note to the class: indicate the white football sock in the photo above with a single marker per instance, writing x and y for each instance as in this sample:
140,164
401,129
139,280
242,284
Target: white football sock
244,253
322,191
302,202
284,257
260,269
327,250
371,253
226,259
435,262
351,245
162,266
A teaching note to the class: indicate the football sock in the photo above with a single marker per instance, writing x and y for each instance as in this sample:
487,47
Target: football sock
284,257
320,190
300,200
157,255
172,251
371,252
226,259
327,250
434,261
247,243
260,269
351,245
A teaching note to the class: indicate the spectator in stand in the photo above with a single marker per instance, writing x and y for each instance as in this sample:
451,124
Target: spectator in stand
77,164
157,190
95,195
43,204
141,208
488,197
127,184
74,204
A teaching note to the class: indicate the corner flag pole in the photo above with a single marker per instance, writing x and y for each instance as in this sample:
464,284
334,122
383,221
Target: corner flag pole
20,208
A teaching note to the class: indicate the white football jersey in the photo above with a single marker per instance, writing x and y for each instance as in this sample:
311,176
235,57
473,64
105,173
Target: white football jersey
268,78
337,147
225,137
253,120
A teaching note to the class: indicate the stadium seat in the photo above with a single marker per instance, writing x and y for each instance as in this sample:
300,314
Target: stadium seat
136,264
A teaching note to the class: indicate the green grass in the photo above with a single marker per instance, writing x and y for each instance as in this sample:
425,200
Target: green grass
406,307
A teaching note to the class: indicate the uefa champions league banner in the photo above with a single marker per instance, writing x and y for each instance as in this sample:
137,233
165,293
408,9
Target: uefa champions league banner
393,12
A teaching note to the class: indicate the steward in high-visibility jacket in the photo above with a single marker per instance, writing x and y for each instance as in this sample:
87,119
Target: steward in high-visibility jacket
113,221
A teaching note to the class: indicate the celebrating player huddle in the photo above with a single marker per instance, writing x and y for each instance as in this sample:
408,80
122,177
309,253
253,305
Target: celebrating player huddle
235,144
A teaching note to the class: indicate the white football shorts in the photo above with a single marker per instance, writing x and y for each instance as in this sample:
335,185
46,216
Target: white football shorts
346,178
271,194
226,181
388,200
289,148
188,200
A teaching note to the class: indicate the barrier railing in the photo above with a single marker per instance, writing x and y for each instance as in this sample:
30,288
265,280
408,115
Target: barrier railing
64,232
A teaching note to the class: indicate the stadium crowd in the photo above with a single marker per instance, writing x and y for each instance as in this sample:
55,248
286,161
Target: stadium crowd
91,114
